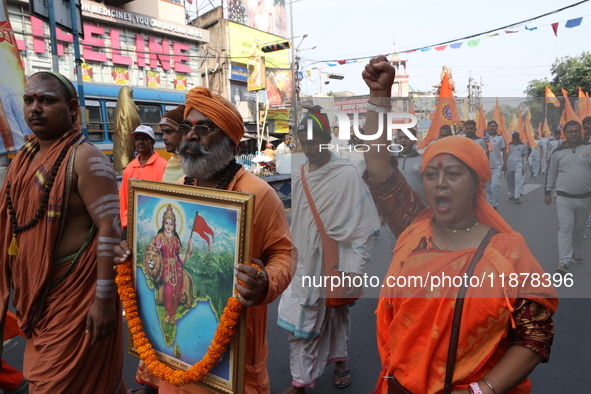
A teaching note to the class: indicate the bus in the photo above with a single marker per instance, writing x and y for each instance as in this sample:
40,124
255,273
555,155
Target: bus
100,101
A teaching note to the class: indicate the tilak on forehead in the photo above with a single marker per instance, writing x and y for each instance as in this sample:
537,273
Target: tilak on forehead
38,85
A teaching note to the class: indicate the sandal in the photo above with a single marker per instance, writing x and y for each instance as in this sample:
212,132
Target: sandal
341,375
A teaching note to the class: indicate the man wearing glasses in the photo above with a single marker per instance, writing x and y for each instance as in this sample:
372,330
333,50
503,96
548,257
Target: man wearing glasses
211,131
569,175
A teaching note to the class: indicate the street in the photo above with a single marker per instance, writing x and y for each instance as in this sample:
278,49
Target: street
567,371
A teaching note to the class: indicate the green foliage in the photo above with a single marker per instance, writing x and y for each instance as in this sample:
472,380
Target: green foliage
568,73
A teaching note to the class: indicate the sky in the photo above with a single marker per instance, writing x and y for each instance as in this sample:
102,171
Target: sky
343,29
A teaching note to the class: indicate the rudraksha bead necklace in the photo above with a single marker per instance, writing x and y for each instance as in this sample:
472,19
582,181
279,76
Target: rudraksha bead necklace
44,197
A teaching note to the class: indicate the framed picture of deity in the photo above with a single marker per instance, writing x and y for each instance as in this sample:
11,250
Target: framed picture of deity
185,242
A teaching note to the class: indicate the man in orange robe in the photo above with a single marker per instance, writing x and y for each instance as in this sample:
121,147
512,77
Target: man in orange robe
60,219
207,156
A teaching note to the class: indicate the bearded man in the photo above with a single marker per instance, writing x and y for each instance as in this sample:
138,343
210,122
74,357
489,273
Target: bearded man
60,221
211,131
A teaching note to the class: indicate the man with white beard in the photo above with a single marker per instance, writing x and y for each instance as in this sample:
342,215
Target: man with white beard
211,131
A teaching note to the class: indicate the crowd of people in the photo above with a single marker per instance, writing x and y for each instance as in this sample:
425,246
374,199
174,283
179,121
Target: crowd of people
65,225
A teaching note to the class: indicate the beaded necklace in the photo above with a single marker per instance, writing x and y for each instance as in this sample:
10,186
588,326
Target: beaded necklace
13,250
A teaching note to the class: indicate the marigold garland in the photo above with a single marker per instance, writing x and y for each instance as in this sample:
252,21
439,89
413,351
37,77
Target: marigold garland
224,333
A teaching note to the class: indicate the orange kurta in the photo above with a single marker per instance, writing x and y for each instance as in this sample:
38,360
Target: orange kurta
52,298
414,321
153,170
272,245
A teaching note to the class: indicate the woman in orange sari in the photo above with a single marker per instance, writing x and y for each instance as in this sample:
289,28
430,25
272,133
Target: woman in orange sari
506,327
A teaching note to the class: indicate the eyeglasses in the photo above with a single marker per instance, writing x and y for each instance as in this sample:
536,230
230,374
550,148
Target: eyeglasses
200,129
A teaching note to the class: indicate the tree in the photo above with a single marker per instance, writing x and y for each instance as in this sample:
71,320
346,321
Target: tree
568,73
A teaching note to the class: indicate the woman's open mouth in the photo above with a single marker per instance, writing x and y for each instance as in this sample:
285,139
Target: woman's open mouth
442,203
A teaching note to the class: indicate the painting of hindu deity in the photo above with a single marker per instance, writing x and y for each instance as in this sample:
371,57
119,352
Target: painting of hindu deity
185,242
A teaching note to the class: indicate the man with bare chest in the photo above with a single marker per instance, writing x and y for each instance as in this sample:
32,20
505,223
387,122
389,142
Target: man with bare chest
59,217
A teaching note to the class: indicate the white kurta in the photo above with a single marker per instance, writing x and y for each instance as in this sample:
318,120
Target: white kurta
349,216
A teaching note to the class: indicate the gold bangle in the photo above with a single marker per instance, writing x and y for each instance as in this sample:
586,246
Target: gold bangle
489,385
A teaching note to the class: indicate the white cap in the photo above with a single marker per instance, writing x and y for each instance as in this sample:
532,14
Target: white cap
144,130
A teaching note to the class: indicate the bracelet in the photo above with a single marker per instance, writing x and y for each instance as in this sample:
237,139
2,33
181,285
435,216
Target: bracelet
475,388
489,385
377,109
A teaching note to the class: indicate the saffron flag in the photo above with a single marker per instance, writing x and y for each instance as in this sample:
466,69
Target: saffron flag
551,97
480,122
529,131
545,129
446,112
561,123
568,108
464,111
498,117
520,125
584,105
512,129
200,227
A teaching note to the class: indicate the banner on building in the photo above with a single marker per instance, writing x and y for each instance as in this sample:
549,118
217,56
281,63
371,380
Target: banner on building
153,79
246,42
267,16
120,75
12,85
86,72
180,82
279,88
281,126
256,73
278,114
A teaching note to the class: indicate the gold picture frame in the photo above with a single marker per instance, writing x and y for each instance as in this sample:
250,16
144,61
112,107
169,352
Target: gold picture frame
181,291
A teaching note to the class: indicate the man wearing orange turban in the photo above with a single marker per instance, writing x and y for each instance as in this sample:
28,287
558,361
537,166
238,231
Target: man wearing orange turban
211,129
222,112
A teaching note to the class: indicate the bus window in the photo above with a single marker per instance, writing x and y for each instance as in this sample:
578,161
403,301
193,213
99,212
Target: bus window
110,116
150,115
93,117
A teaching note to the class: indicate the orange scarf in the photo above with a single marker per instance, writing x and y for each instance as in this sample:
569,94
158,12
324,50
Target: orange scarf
414,323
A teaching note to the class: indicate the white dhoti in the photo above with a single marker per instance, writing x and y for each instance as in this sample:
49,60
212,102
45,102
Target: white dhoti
309,357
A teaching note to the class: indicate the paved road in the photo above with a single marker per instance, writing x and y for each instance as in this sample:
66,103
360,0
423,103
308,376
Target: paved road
568,371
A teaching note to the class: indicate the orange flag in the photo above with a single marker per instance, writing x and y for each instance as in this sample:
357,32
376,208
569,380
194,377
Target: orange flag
545,129
446,112
584,105
480,122
520,125
561,123
551,97
529,131
498,117
512,129
570,112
